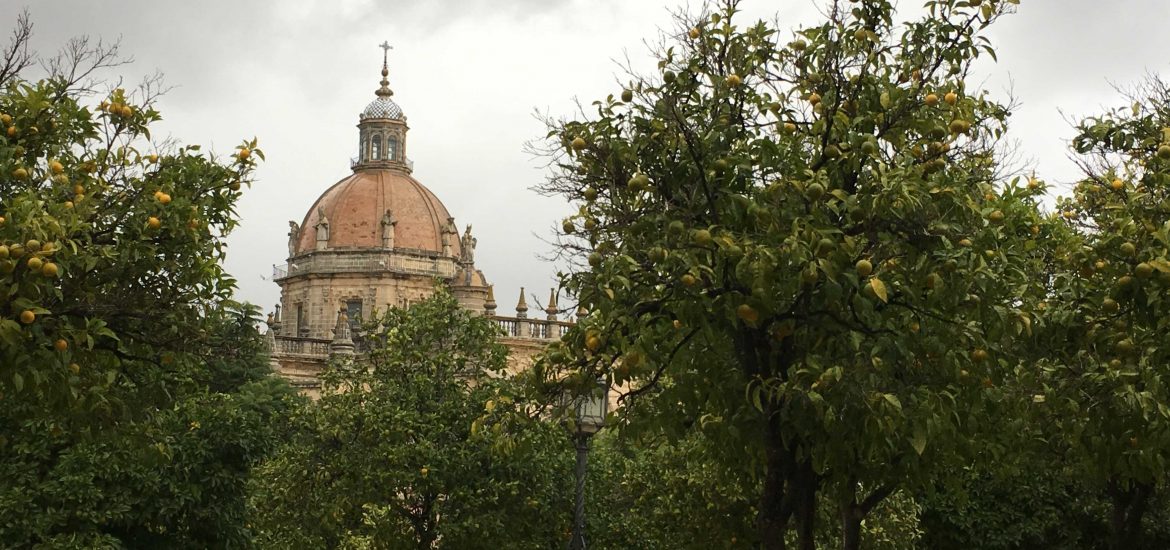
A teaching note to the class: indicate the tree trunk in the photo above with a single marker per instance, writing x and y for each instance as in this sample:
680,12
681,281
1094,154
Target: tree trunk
775,506
853,513
804,485
851,527
1128,508
790,490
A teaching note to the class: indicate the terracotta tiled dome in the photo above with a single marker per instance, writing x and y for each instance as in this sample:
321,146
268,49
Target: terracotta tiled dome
355,207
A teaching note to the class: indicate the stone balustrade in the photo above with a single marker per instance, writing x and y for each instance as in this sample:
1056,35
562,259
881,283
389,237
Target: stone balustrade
539,329
293,345
514,328
404,261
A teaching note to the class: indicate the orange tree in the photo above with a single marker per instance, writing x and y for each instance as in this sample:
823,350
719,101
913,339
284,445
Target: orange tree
1103,390
122,357
803,244
392,454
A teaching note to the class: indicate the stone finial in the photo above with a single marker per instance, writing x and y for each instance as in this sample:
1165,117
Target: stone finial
489,307
384,90
552,310
522,306
274,324
342,344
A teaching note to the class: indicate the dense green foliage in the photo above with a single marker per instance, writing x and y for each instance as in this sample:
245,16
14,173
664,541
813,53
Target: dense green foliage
834,318
808,249
134,396
828,215
392,455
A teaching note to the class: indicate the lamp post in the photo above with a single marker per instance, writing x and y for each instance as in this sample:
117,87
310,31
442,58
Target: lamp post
590,411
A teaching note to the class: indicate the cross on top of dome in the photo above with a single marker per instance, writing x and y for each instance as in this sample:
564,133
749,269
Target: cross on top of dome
383,106
385,90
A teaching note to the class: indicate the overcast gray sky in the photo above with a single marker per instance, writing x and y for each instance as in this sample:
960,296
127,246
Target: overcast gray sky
470,74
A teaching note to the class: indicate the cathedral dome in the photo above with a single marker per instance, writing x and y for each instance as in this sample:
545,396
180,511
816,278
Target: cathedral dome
382,107
357,208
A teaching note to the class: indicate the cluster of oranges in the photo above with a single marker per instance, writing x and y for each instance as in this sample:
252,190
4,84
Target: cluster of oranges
36,258
116,108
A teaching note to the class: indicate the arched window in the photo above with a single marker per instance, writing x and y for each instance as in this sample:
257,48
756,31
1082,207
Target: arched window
377,138
392,148
363,151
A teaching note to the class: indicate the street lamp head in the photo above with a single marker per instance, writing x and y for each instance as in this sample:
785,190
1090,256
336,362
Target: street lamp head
590,409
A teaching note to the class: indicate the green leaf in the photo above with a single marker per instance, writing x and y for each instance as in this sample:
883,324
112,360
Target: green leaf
1160,264
918,440
879,289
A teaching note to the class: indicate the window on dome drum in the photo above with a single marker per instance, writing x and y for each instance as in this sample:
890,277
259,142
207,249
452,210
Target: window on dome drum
392,148
377,138
302,329
363,148
353,311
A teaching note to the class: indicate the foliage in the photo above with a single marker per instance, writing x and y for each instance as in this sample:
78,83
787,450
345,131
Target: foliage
175,478
135,392
665,495
824,217
392,455
1036,508
1102,392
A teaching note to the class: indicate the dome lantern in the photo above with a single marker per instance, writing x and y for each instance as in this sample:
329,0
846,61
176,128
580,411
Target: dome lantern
382,128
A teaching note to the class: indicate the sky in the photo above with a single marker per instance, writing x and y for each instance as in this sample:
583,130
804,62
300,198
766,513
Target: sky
471,75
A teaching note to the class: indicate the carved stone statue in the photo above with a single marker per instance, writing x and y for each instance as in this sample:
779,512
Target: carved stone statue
388,223
322,228
448,230
467,246
294,236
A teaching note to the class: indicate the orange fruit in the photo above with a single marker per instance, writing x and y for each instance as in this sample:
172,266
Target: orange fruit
27,317
748,314
864,268
593,343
